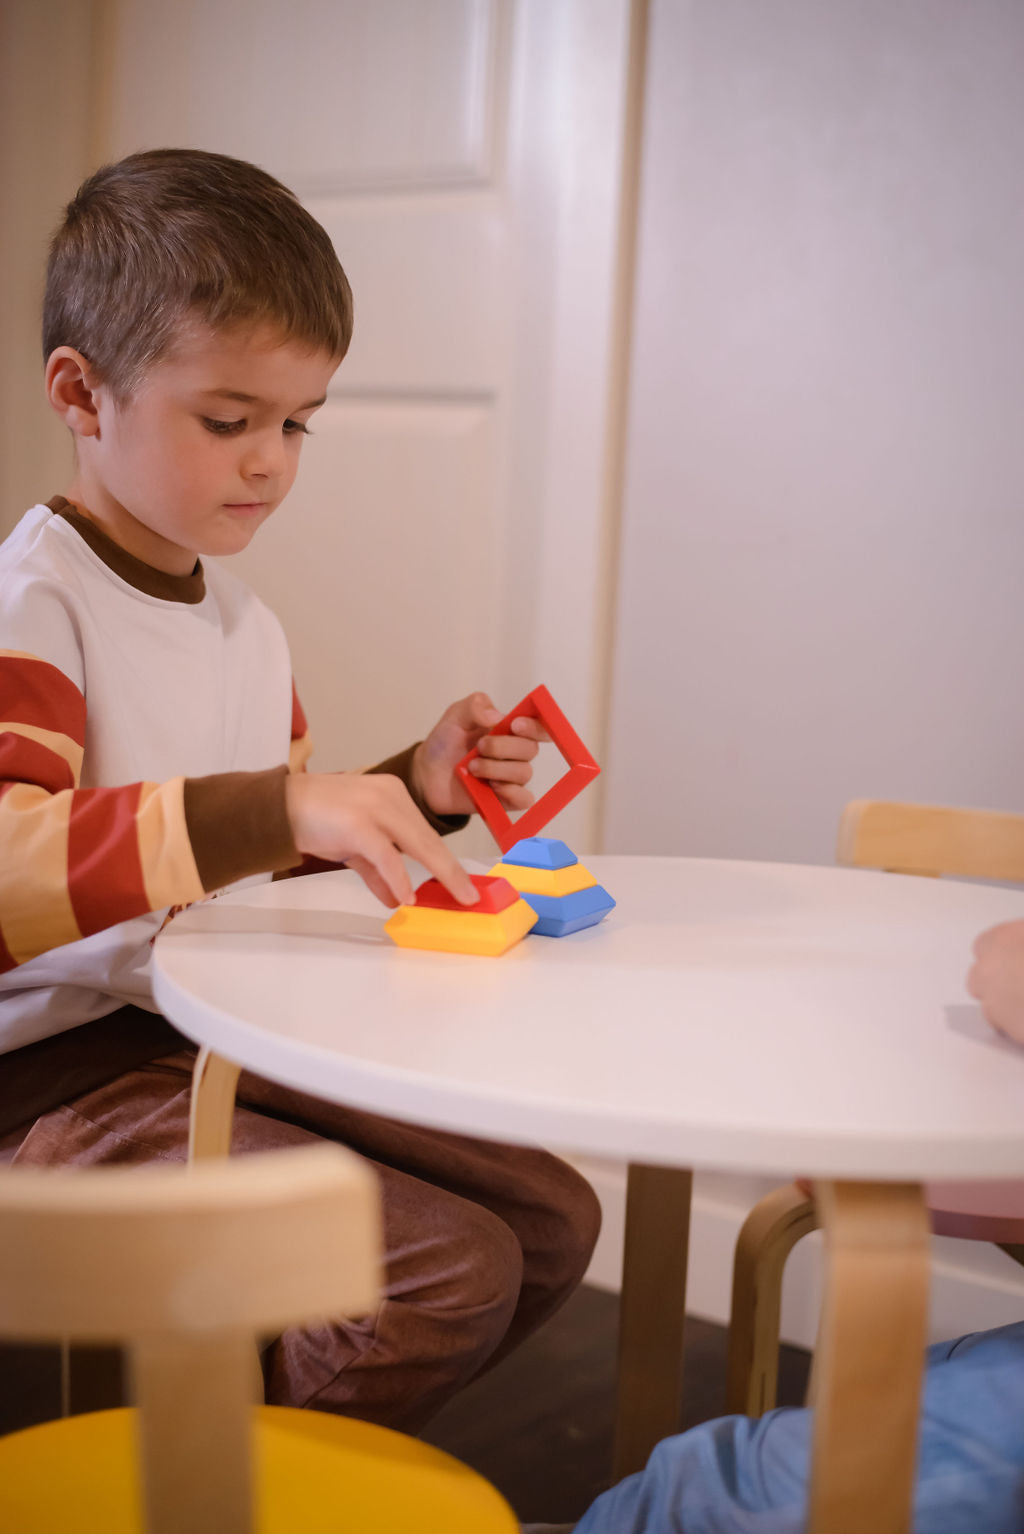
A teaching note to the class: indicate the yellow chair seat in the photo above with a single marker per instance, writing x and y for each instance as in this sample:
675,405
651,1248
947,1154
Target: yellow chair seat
316,1474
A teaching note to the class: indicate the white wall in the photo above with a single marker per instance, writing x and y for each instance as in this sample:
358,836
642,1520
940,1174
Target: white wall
820,591
823,525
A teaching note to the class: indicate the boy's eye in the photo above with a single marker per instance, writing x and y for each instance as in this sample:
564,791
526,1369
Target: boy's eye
222,428
230,428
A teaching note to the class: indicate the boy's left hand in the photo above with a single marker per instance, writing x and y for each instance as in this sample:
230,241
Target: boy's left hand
504,760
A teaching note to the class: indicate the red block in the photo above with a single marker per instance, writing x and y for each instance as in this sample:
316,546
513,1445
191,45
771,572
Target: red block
496,894
539,704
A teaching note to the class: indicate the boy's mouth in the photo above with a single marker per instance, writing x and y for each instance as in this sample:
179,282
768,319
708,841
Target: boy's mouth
245,507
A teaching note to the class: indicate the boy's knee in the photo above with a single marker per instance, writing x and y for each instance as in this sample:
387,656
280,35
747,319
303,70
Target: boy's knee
496,1262
572,1225
478,1276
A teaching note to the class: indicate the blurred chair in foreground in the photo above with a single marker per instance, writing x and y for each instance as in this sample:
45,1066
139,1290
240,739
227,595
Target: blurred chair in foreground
189,1267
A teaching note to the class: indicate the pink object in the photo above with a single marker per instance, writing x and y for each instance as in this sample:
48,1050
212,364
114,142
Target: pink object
973,1211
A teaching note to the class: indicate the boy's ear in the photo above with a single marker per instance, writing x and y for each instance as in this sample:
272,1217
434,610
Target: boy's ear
73,391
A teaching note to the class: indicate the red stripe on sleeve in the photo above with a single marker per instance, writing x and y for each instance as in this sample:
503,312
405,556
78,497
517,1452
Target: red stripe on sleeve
34,692
299,725
28,761
104,868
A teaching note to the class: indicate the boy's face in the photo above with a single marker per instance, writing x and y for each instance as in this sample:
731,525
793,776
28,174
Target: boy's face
206,447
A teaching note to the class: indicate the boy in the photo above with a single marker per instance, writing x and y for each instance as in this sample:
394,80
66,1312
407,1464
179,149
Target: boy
194,316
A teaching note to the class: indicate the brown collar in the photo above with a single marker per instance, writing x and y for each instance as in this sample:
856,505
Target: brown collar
153,583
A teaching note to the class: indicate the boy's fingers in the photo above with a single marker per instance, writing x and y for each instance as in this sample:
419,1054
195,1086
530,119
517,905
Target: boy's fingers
529,727
414,836
514,798
373,881
502,771
453,876
380,852
508,748
476,712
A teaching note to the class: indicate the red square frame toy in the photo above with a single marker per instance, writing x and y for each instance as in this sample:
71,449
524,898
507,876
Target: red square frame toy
538,704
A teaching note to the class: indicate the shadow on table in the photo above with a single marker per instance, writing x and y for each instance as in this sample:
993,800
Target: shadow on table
222,920
969,1022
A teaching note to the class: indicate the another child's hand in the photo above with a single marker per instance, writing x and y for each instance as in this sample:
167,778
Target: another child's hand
997,977
504,760
368,821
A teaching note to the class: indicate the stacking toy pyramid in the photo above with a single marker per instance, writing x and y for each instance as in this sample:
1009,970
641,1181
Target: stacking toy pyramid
437,920
539,885
564,894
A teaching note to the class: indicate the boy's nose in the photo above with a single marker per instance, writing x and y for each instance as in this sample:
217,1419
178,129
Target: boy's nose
264,459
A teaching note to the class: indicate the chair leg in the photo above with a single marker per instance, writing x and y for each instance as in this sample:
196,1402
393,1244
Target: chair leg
209,1135
870,1358
213,1106
194,1433
769,1234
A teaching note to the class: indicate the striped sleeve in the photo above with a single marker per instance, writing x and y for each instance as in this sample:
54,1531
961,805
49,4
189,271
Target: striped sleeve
74,861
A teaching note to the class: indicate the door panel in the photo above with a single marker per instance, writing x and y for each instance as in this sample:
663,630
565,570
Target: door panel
332,94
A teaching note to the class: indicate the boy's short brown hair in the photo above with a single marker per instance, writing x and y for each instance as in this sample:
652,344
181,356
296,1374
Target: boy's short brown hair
172,233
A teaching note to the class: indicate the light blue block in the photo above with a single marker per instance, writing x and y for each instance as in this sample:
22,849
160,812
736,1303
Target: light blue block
558,915
540,852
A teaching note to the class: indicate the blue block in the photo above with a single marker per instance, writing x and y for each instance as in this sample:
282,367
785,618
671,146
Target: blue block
561,914
540,852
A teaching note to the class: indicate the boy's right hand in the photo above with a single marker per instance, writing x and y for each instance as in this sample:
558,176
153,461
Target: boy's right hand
368,821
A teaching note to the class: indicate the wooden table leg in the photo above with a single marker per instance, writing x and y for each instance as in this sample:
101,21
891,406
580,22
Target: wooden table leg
653,1305
870,1357
213,1106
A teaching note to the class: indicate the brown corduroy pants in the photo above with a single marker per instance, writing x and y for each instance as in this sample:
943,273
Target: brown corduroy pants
482,1242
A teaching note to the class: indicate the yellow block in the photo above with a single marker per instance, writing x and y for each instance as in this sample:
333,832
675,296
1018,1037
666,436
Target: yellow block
545,881
489,934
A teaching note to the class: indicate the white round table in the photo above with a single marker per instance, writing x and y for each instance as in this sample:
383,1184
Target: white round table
767,1017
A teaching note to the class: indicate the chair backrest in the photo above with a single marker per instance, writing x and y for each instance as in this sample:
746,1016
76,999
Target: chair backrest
931,840
188,1266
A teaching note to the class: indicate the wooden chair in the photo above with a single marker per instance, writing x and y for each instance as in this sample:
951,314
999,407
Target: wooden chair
189,1266
929,841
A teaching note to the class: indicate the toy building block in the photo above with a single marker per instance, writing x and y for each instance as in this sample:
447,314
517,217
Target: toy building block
539,704
461,931
495,891
546,881
557,916
540,852
437,921
565,895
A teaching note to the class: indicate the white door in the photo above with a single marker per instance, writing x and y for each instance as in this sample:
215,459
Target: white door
448,529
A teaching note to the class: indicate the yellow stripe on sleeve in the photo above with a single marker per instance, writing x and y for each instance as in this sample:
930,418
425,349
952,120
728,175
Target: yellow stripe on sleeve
34,836
168,864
